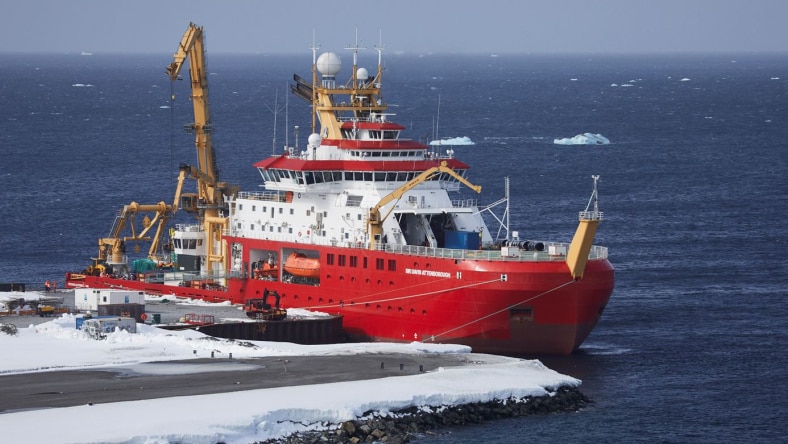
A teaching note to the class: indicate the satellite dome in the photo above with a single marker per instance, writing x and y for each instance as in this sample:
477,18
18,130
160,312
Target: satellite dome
314,140
328,64
362,74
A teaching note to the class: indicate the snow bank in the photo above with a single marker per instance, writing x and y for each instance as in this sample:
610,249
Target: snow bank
243,416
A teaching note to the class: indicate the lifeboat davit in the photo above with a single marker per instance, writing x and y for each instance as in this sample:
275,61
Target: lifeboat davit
298,264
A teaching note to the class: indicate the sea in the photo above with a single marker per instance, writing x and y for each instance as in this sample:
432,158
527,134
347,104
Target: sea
693,186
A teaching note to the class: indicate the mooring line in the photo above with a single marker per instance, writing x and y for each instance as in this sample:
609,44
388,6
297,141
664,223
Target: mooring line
432,337
407,297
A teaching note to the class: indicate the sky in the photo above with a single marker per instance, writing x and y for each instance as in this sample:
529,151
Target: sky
406,26
57,345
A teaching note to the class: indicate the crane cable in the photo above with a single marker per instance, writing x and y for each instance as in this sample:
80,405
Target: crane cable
172,132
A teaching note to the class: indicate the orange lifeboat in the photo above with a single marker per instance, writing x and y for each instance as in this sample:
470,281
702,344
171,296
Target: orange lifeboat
298,264
266,270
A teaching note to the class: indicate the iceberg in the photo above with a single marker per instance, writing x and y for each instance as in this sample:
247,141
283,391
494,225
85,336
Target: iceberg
454,141
583,139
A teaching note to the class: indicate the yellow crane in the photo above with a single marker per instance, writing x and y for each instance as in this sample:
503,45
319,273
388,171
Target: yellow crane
112,249
375,221
206,204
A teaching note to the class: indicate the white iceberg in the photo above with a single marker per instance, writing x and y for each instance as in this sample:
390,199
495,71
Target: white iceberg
454,141
583,139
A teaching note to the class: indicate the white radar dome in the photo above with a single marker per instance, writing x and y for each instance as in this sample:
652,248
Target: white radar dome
314,139
329,64
362,74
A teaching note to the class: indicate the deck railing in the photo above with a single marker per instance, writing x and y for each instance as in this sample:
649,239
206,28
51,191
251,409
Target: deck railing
489,254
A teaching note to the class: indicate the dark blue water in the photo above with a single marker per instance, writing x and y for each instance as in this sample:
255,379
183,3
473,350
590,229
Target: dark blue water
691,347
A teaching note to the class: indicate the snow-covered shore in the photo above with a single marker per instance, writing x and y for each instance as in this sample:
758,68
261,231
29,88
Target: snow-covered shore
241,416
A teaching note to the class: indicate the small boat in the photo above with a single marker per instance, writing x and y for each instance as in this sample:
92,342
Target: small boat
298,264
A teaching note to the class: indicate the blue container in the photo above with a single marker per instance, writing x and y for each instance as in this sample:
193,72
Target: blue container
81,319
461,240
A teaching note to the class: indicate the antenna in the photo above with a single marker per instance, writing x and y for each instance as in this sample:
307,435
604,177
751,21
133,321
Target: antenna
287,119
438,121
379,48
314,49
275,110
355,49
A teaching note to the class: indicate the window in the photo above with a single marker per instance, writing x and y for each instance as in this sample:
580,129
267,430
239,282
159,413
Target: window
330,259
354,261
392,265
342,260
379,264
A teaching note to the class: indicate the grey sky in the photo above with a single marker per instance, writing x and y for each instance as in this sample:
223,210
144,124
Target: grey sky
486,26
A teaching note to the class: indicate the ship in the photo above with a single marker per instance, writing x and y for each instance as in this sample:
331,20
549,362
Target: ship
363,223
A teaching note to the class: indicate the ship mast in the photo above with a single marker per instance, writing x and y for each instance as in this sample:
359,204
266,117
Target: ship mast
314,49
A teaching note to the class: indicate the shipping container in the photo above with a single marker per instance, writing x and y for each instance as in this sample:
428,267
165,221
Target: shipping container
91,298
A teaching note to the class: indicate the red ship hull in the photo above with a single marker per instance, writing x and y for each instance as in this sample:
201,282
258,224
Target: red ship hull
509,307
